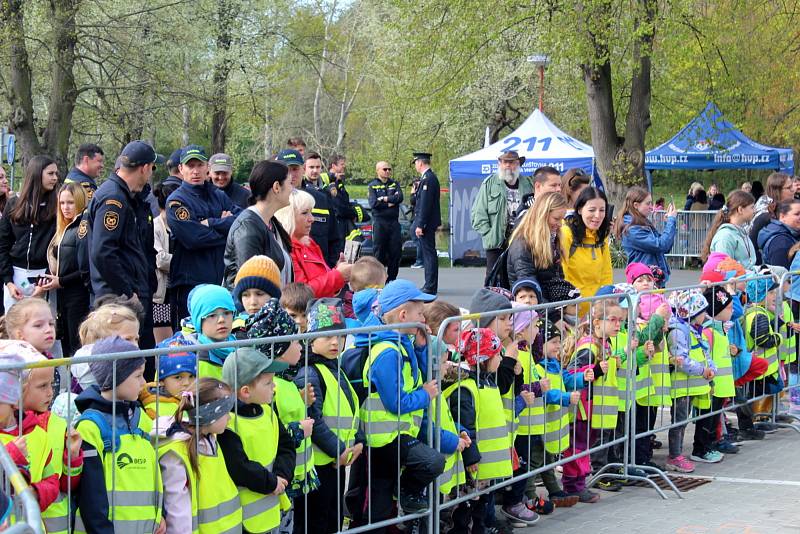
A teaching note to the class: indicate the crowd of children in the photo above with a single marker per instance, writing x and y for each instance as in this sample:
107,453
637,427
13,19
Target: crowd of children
307,436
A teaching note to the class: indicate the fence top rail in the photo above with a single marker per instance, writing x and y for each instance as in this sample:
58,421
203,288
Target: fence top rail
208,346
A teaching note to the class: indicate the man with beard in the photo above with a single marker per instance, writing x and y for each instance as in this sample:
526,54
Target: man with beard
496,206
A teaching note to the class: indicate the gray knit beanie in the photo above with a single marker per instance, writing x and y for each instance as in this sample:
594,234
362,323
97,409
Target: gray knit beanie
103,371
486,300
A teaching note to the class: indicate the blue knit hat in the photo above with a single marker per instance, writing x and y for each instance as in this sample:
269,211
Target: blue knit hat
206,298
176,363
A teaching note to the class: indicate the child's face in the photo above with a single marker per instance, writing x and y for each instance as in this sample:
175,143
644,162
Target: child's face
451,333
218,325
129,331
177,384
609,325
770,300
492,364
253,299
502,326
218,426
326,346
39,330
37,394
725,315
262,389
527,334
128,389
700,318
292,354
526,296
644,283
552,347
299,318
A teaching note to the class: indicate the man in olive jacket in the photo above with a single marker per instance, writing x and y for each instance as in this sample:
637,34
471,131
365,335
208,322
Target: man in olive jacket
497,203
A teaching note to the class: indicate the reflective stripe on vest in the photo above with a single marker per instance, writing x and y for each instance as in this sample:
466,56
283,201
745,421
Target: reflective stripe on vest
338,414
604,389
56,516
721,355
380,425
292,408
259,435
659,391
531,418
494,440
556,420
454,472
787,352
770,354
684,385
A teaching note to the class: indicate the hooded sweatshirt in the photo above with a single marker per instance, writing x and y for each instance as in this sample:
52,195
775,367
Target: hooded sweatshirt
775,240
734,241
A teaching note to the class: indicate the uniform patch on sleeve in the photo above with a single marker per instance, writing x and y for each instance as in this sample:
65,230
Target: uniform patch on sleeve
182,213
113,202
111,220
174,203
89,193
83,229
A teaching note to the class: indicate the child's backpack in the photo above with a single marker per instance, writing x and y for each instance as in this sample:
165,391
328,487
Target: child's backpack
353,360
106,422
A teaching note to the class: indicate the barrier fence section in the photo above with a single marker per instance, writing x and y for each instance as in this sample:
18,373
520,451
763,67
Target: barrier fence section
384,449
690,234
24,502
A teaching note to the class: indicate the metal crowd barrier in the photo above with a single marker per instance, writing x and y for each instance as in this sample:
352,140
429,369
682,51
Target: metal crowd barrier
690,234
25,506
612,447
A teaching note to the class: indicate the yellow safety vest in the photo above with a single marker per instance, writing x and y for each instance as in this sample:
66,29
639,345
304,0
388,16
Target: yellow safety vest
132,476
291,409
454,473
381,426
207,368
56,517
659,392
37,443
787,351
341,418
215,498
721,354
494,442
556,420
259,435
604,389
684,385
531,418
770,354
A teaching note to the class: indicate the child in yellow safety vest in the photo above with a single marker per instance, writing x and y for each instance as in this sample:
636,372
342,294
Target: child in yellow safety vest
289,402
197,488
477,406
692,370
336,439
259,452
26,441
176,373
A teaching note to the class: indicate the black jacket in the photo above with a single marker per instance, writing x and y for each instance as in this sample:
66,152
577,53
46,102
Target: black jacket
23,245
381,211
75,175
249,473
70,275
520,264
170,183
427,210
249,237
121,252
325,230
238,194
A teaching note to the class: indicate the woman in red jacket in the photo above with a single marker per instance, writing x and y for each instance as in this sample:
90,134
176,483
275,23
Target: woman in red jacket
307,259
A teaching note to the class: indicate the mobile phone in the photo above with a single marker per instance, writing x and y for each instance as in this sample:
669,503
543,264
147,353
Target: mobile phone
34,280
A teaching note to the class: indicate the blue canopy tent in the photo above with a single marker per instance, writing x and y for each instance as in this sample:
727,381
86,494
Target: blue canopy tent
539,141
709,142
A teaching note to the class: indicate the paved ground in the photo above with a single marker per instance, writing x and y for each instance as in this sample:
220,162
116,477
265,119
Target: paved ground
755,491
457,284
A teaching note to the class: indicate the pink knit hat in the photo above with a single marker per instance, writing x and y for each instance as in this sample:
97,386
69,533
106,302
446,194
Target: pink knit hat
635,270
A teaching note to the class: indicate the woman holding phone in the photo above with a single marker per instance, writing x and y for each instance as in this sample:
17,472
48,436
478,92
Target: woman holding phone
27,226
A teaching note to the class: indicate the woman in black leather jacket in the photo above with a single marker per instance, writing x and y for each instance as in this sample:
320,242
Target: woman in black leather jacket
535,251
66,278
27,226
256,231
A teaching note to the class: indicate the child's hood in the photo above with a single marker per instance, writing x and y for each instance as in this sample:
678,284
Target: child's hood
30,420
362,303
552,365
367,339
153,391
92,399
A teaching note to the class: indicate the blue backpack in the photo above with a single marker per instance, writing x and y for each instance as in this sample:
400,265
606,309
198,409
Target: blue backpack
112,429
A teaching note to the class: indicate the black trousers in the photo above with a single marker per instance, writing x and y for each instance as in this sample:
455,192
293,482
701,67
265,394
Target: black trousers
73,307
430,261
323,514
421,465
492,255
645,420
387,245
179,297
705,430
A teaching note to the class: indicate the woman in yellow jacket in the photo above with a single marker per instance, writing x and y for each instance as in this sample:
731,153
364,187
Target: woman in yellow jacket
586,258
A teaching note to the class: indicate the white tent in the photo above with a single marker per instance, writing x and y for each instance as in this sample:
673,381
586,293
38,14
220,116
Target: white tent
539,141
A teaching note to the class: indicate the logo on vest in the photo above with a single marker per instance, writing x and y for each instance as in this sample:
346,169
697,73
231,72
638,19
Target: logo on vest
125,459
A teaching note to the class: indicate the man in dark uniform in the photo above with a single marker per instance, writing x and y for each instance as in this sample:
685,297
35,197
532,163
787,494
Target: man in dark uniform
199,216
89,162
346,213
121,251
427,218
385,197
324,231
221,167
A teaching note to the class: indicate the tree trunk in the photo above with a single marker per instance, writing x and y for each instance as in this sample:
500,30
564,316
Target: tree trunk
222,69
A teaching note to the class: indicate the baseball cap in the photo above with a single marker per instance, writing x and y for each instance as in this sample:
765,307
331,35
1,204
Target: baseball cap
221,162
246,363
289,156
137,153
174,159
398,292
193,152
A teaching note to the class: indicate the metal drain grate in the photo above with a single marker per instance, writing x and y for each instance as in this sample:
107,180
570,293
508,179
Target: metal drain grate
682,482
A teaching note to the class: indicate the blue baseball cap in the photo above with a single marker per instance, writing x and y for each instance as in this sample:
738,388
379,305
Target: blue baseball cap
193,152
289,156
138,153
174,159
398,292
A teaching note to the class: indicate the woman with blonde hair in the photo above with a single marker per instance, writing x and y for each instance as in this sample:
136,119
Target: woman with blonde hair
66,278
534,251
